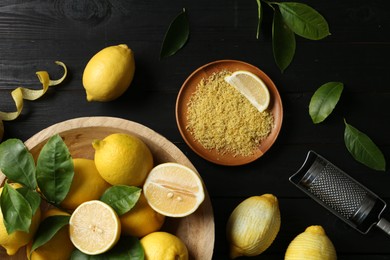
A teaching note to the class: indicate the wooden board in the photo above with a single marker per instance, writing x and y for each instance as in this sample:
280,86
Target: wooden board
196,230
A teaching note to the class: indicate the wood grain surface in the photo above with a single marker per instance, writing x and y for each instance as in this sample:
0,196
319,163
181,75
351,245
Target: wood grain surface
35,33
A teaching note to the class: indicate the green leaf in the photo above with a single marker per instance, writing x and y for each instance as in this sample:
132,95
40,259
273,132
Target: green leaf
304,20
363,149
176,35
259,18
17,163
55,170
33,198
126,248
283,42
121,198
17,212
47,229
324,100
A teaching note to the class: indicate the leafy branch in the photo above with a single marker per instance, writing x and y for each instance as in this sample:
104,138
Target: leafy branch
52,176
290,19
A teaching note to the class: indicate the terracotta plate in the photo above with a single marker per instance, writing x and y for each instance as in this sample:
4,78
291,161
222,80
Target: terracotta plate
189,87
196,230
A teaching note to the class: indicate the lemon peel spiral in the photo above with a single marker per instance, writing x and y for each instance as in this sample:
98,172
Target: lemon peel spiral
21,93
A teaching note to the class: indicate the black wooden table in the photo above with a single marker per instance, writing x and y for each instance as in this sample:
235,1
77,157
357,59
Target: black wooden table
35,33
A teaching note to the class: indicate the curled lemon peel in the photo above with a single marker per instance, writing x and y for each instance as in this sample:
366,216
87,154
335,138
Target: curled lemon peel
21,93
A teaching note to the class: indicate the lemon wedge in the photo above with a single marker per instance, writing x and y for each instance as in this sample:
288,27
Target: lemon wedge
173,190
252,87
94,227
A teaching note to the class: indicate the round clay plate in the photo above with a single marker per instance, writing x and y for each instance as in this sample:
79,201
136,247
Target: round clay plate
189,87
196,230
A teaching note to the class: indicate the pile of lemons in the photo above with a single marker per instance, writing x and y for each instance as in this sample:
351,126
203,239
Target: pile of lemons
168,190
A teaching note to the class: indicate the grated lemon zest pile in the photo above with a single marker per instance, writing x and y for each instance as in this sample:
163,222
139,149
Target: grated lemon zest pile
220,118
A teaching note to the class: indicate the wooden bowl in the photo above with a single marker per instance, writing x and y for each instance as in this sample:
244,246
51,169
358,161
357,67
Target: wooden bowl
196,230
189,87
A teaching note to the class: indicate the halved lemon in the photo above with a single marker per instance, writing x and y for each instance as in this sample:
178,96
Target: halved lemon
94,227
173,190
252,87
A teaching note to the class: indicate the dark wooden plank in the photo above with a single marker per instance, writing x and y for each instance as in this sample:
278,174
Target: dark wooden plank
36,33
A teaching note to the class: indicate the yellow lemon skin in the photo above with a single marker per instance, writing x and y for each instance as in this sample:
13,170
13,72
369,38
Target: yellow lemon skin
59,247
12,242
87,184
253,225
123,159
313,244
162,245
109,73
141,219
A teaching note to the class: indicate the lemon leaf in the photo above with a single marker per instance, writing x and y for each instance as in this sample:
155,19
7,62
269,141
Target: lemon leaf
121,198
283,42
17,163
47,229
55,170
176,35
127,248
259,18
17,212
33,198
363,149
324,100
304,20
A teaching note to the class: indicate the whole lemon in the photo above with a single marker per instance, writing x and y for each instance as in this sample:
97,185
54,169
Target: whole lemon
87,184
17,239
253,225
123,159
109,73
59,247
163,245
312,244
141,219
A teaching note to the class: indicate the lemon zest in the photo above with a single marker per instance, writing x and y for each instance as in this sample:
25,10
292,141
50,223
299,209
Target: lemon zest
21,93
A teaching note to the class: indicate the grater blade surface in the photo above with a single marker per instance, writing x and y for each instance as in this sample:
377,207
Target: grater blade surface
336,190
340,193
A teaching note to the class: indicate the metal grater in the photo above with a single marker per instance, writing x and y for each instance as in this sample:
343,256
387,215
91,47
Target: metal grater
340,193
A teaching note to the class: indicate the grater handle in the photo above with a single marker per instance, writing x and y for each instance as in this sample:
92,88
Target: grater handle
384,225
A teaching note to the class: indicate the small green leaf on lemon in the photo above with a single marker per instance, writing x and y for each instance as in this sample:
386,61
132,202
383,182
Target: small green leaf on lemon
55,170
17,212
32,196
17,163
176,36
121,198
363,149
47,229
324,100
